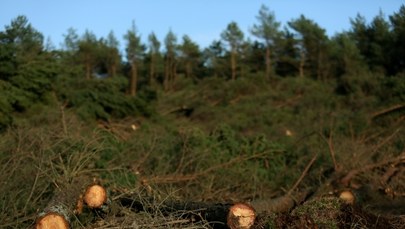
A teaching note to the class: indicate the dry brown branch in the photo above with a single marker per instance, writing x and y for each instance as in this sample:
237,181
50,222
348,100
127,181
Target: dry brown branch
329,142
304,173
387,110
175,178
289,101
391,171
280,204
287,201
235,100
385,141
354,172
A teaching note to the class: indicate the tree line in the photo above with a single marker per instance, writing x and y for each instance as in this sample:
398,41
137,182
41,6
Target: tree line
29,68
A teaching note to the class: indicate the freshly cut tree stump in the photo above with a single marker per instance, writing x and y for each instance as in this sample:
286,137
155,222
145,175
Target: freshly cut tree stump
241,216
95,196
52,221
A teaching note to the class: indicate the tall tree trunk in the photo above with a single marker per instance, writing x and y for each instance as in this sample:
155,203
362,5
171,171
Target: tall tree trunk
88,70
319,66
167,74
268,62
152,69
302,63
133,80
233,64
113,70
188,69
173,75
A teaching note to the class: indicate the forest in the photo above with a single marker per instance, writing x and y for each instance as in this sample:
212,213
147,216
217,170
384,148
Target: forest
176,135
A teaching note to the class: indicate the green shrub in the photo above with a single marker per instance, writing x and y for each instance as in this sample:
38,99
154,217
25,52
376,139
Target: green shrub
102,98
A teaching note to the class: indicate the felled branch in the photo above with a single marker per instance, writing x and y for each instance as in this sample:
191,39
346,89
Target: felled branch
351,174
388,110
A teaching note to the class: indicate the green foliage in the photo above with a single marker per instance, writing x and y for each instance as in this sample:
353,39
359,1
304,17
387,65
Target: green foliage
324,212
267,29
101,99
393,89
27,72
313,45
233,35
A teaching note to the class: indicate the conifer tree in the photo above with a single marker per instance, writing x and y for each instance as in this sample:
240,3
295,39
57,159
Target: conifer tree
88,52
190,55
112,56
154,54
234,36
313,46
135,50
267,30
170,60
398,37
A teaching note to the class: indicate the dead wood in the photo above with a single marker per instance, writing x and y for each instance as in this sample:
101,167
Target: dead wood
241,216
178,178
218,215
388,110
67,201
52,220
354,172
280,204
95,196
59,210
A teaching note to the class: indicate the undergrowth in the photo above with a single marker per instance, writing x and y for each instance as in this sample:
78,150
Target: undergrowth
242,140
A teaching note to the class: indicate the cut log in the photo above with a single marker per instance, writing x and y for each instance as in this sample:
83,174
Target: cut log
347,197
68,200
52,220
280,204
218,215
95,196
241,216
59,210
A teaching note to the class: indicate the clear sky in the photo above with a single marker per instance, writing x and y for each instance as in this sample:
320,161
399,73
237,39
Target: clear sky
202,20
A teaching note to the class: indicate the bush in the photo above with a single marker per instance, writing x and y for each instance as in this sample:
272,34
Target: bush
102,98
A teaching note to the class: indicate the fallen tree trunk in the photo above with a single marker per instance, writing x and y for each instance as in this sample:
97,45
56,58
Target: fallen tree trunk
53,220
280,204
218,215
69,200
59,210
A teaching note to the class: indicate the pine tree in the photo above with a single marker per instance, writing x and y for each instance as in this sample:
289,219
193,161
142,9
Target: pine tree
170,60
112,55
234,36
313,47
267,30
88,52
135,50
154,54
190,55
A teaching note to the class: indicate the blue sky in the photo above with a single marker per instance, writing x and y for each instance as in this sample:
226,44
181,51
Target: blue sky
202,20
